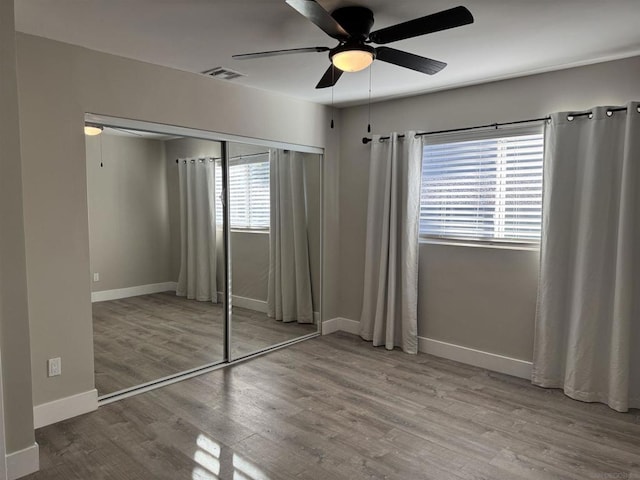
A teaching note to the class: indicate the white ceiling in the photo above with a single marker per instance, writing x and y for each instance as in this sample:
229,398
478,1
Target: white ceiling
509,38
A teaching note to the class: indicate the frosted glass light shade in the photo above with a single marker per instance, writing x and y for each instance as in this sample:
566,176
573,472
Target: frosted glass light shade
352,60
92,130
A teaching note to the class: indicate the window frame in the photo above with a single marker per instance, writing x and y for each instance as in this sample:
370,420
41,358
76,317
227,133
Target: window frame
480,134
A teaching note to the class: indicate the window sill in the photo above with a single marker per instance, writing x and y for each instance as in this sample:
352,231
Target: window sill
529,247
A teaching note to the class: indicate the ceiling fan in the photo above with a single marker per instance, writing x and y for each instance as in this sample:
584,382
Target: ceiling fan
351,26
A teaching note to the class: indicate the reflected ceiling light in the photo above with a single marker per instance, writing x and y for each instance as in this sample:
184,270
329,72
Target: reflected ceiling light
352,58
92,130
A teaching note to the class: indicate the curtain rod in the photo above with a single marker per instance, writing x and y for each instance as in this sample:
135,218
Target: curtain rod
366,140
230,158
248,155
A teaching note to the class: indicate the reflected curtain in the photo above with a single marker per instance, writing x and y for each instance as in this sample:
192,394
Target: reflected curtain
587,333
197,279
289,289
390,301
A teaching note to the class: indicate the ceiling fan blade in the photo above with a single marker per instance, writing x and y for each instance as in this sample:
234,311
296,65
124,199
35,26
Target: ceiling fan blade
409,60
272,53
320,17
330,77
454,17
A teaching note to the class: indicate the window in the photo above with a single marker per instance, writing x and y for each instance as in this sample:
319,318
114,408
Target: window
483,186
248,192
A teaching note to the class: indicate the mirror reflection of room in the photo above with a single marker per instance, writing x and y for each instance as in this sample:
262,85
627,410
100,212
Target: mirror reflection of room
274,204
157,252
152,220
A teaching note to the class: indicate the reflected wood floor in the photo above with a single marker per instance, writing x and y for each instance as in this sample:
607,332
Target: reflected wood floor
144,338
335,407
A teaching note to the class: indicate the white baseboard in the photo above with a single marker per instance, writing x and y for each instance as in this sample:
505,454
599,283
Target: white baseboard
118,293
330,326
63,408
340,324
23,462
350,326
478,358
458,353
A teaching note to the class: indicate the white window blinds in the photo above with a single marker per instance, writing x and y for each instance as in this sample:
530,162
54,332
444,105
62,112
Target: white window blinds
248,193
483,187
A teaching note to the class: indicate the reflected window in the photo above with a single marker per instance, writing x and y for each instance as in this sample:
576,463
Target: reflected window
248,192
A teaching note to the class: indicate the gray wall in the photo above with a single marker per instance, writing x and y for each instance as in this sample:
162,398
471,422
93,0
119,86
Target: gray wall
129,227
482,298
249,264
14,314
58,84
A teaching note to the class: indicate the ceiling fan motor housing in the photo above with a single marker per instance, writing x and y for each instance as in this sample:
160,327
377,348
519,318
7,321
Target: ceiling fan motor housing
357,21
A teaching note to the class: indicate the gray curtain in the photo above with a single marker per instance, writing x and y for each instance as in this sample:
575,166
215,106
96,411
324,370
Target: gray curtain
197,279
289,289
390,301
587,333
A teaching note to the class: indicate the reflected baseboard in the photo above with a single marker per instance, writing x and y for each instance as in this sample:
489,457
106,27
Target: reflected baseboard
256,305
245,302
118,293
340,324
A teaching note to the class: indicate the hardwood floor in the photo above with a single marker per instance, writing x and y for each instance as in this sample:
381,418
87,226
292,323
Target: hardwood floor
334,407
144,338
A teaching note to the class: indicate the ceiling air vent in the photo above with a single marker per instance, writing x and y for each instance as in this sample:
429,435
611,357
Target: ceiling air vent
223,73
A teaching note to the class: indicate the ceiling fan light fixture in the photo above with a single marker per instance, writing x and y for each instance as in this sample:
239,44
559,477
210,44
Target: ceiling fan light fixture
352,58
92,130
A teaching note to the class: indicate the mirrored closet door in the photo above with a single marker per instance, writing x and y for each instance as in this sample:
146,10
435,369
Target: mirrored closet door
155,221
202,251
274,212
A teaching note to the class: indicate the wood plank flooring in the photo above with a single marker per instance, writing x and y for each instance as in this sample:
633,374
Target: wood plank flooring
144,338
335,407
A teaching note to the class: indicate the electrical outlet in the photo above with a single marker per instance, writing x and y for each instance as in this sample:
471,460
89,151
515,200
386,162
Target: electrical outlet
96,277
54,366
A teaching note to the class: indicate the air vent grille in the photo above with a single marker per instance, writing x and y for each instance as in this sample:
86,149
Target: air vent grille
223,73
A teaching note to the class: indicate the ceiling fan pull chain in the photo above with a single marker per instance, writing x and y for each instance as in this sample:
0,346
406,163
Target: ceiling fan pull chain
333,86
369,125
